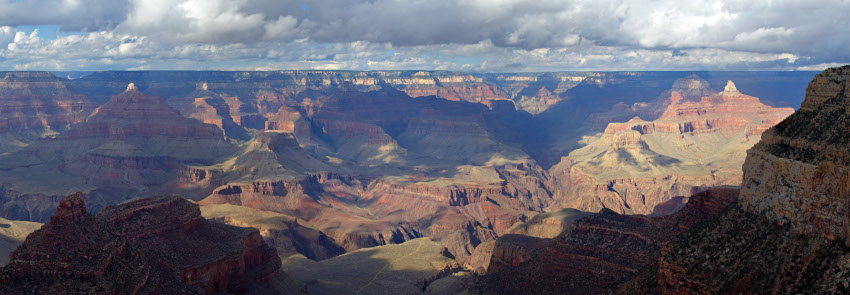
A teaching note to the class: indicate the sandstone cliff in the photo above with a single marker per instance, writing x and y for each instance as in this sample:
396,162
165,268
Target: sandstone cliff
788,233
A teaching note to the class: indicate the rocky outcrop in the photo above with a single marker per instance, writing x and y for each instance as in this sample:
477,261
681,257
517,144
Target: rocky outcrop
806,159
149,246
212,256
788,233
596,252
76,253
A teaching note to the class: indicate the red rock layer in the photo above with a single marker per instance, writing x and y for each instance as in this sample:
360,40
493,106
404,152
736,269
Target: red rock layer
133,113
77,254
145,246
452,87
689,110
691,107
460,217
38,101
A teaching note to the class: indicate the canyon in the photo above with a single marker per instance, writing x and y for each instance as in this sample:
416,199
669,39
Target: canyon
688,139
485,170
792,210
784,231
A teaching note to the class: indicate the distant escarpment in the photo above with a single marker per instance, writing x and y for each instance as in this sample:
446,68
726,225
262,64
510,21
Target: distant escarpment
134,142
687,140
149,246
36,104
789,231
594,253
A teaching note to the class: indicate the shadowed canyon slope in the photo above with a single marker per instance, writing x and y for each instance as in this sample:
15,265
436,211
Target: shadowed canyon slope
593,253
339,161
408,268
149,246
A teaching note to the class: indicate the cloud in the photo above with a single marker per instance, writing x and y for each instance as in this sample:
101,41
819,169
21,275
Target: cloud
492,35
71,15
822,66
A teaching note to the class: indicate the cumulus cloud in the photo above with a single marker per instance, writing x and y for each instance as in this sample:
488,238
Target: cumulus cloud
492,35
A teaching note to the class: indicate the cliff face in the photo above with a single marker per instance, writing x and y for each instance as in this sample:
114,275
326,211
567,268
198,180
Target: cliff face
131,143
75,253
688,139
36,104
138,247
792,211
212,256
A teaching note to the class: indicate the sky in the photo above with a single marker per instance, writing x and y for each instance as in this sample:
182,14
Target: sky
457,35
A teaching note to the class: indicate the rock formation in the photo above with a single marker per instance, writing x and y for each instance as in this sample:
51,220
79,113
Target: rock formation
149,246
75,254
596,253
132,143
36,104
687,140
788,233
171,232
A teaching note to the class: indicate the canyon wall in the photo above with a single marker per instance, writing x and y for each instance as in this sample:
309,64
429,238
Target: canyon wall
788,233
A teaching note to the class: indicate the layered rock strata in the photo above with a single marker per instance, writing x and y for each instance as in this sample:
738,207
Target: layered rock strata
77,254
36,104
788,233
212,256
149,246
688,139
